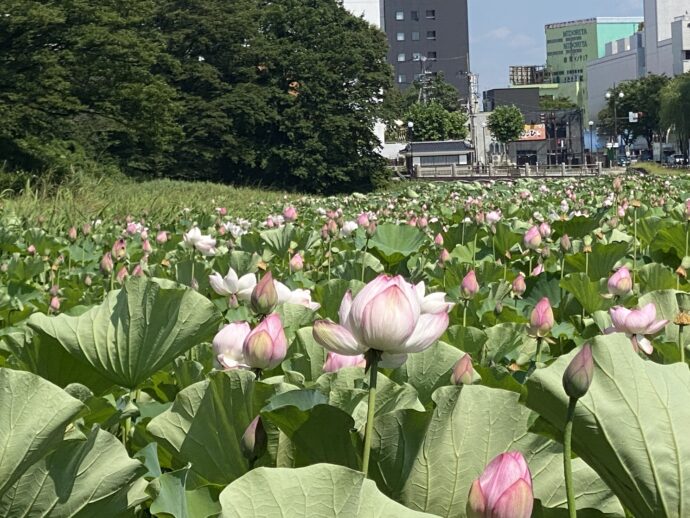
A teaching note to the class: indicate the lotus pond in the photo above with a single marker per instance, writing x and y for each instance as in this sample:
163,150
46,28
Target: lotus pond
428,351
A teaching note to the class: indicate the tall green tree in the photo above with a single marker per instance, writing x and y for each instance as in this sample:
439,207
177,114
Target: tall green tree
675,109
506,123
432,122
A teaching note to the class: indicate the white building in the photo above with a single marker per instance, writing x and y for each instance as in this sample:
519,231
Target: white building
680,31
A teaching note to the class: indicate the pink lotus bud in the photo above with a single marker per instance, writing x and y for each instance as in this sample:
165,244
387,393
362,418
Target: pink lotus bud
687,209
541,319
479,218
324,232
254,440
538,270
54,304
422,223
469,286
132,228
122,274
532,238
31,249
138,271
545,230
86,229
463,372
504,489
264,295
617,184
290,213
107,263
87,280
146,246
493,217
519,286
444,256
195,284
223,211
578,375
161,237
371,229
335,362
565,243
438,240
332,228
144,234
119,250
363,219
296,263
266,346
54,290
72,234
269,222
620,283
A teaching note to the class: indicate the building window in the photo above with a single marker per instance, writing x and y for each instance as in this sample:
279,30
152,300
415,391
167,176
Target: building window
400,36
414,16
402,78
401,57
687,54
416,56
430,14
415,36
431,54
399,15
430,35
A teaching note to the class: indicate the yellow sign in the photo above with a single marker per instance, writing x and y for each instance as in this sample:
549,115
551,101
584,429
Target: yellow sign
533,132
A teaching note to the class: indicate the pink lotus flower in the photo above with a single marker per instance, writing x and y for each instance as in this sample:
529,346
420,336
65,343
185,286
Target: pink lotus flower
463,372
122,274
296,263
335,362
138,271
206,245
31,249
438,240
519,286
620,283
444,256
107,263
228,345
687,209
493,217
469,285
290,213
146,246
636,323
266,346
363,219
119,250
541,320
532,238
504,489
161,237
538,270
545,230
388,315
72,234
54,304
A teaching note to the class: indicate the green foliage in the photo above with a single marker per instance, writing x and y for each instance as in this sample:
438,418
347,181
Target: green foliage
506,123
675,108
433,122
549,102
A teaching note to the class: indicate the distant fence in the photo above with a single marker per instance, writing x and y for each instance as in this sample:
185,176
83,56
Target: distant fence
490,172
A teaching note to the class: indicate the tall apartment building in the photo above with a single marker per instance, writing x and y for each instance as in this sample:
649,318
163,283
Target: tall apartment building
425,37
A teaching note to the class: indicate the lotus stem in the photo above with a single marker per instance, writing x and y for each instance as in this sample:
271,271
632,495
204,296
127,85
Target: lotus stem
364,256
537,357
373,374
634,246
464,313
681,343
330,248
567,461
191,281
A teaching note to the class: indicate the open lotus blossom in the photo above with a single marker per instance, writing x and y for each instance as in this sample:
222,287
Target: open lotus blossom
504,489
636,324
335,362
389,315
228,343
299,296
493,217
231,284
206,245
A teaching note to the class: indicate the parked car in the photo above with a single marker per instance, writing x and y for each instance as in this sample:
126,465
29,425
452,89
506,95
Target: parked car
623,161
676,159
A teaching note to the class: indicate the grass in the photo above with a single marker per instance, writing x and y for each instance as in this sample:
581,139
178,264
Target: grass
84,197
658,169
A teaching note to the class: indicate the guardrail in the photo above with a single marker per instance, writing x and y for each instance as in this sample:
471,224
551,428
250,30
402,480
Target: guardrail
490,172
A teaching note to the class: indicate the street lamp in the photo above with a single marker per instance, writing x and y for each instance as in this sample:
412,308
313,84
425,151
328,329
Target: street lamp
609,95
410,134
484,141
591,140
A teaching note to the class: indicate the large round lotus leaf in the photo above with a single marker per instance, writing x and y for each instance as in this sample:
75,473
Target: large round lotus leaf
136,330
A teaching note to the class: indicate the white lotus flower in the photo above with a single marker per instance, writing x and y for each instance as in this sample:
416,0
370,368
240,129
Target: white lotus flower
231,284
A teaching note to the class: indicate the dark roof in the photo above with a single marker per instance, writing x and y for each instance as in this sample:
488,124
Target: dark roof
439,146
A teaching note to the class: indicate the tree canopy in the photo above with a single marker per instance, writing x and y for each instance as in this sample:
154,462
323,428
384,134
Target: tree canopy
433,122
246,91
675,109
506,123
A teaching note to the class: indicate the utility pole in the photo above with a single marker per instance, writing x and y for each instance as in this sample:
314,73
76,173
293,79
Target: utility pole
472,106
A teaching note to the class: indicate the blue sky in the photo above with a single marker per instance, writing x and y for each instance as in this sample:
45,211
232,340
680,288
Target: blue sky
511,32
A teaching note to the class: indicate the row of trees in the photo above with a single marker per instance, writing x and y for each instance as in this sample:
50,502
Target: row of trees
250,91
663,105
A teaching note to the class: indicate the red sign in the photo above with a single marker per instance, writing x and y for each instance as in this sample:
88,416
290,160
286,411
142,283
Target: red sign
533,132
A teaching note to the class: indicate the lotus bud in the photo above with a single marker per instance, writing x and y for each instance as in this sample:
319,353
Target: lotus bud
72,234
422,223
290,213
532,238
86,229
545,252
107,263
498,308
444,256
538,270
587,241
254,440
578,375
54,304
266,346
54,290
264,296
687,209
131,228
146,246
519,286
620,283
119,250
161,237
324,232
503,490
469,286
122,274
296,263
194,284
332,228
31,249
371,229
438,240
545,230
87,280
566,245
541,319
138,271
617,184
463,372
363,220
